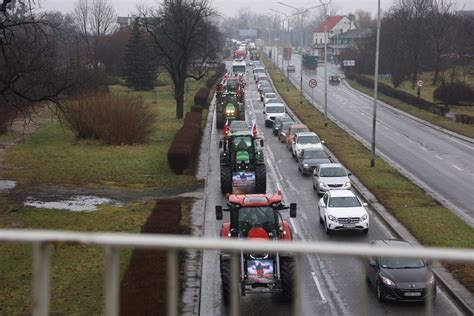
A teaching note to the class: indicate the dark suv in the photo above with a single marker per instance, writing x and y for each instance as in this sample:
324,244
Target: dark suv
334,80
400,279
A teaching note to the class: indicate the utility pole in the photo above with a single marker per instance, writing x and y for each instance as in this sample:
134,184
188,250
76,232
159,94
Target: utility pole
376,81
325,62
287,18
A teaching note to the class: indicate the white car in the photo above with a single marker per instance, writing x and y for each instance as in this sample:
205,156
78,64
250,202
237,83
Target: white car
272,111
305,140
330,176
342,210
269,95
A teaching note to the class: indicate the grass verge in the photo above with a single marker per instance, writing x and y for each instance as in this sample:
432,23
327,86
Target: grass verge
463,129
53,156
430,223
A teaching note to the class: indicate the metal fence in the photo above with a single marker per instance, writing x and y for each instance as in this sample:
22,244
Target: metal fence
112,242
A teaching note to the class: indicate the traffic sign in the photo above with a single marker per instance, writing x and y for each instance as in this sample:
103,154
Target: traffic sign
348,62
312,83
419,83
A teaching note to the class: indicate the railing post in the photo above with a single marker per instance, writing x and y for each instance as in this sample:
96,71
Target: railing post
296,311
111,280
172,281
234,285
41,264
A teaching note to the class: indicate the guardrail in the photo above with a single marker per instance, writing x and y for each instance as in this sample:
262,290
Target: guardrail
111,242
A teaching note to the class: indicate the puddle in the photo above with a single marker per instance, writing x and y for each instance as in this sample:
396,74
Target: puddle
78,203
7,185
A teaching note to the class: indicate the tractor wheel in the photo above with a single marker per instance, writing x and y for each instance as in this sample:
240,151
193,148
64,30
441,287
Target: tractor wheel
287,271
226,179
260,179
219,120
225,280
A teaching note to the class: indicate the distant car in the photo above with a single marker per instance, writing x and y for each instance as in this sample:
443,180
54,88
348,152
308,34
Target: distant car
256,63
278,122
342,210
330,176
263,84
260,76
265,90
236,126
269,95
310,158
272,100
283,130
400,279
305,140
258,71
292,132
250,63
272,111
291,68
334,80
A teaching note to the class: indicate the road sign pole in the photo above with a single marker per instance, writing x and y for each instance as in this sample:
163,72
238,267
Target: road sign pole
312,95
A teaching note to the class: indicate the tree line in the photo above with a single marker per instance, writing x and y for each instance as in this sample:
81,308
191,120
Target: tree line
49,56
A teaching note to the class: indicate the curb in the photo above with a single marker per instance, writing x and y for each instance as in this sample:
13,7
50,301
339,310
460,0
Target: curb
444,278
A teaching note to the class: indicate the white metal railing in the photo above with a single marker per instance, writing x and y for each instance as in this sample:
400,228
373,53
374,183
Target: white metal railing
173,243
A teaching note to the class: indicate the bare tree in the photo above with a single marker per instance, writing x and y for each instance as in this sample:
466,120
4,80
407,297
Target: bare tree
441,23
184,34
30,71
95,19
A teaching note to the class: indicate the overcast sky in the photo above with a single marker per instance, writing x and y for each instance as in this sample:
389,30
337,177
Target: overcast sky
231,7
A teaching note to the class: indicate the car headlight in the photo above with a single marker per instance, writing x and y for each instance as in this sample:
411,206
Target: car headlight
364,217
431,279
322,184
332,218
347,184
387,281
283,134
305,165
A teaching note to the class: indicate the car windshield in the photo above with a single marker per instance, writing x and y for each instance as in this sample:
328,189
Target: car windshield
401,263
264,83
267,90
259,70
256,217
238,125
238,69
270,95
298,130
286,125
275,109
308,140
315,154
273,100
244,139
333,172
344,201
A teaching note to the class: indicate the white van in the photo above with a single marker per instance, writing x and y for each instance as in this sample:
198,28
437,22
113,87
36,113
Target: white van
272,111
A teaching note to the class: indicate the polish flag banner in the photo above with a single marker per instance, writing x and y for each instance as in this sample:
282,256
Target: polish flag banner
254,129
226,128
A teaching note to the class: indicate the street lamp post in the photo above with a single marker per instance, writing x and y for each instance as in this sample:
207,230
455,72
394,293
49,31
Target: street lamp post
325,63
376,77
287,17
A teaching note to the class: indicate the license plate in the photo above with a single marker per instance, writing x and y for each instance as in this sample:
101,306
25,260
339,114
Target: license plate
412,293
349,225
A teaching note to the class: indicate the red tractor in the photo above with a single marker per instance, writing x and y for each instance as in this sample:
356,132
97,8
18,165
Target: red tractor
257,216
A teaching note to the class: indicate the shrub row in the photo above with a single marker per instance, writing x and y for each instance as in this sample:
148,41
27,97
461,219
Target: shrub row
201,96
454,93
400,95
115,120
464,118
185,144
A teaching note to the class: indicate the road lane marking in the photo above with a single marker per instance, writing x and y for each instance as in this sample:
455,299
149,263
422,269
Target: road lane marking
440,158
295,231
318,286
457,167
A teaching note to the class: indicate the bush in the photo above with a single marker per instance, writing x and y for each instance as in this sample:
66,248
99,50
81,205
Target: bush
398,94
7,115
454,92
200,98
464,118
185,144
196,108
115,120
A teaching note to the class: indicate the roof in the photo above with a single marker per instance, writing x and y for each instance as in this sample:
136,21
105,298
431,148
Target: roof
341,193
392,242
354,34
274,104
330,22
329,165
306,134
255,199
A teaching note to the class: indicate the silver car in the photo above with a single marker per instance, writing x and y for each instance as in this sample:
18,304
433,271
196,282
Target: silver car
330,176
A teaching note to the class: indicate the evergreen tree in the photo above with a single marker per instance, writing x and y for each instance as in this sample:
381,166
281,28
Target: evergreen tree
140,70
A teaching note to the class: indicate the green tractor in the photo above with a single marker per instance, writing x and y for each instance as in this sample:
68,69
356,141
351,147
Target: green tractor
228,108
242,164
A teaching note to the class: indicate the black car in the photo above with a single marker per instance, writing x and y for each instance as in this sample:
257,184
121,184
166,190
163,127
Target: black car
278,122
334,80
311,157
400,279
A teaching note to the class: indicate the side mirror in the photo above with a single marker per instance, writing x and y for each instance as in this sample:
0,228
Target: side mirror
261,143
218,212
349,174
292,209
373,263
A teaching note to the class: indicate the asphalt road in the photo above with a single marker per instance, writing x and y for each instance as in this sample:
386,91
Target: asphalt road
331,285
440,163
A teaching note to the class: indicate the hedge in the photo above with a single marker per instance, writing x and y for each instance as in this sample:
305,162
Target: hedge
185,144
464,118
400,95
201,96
